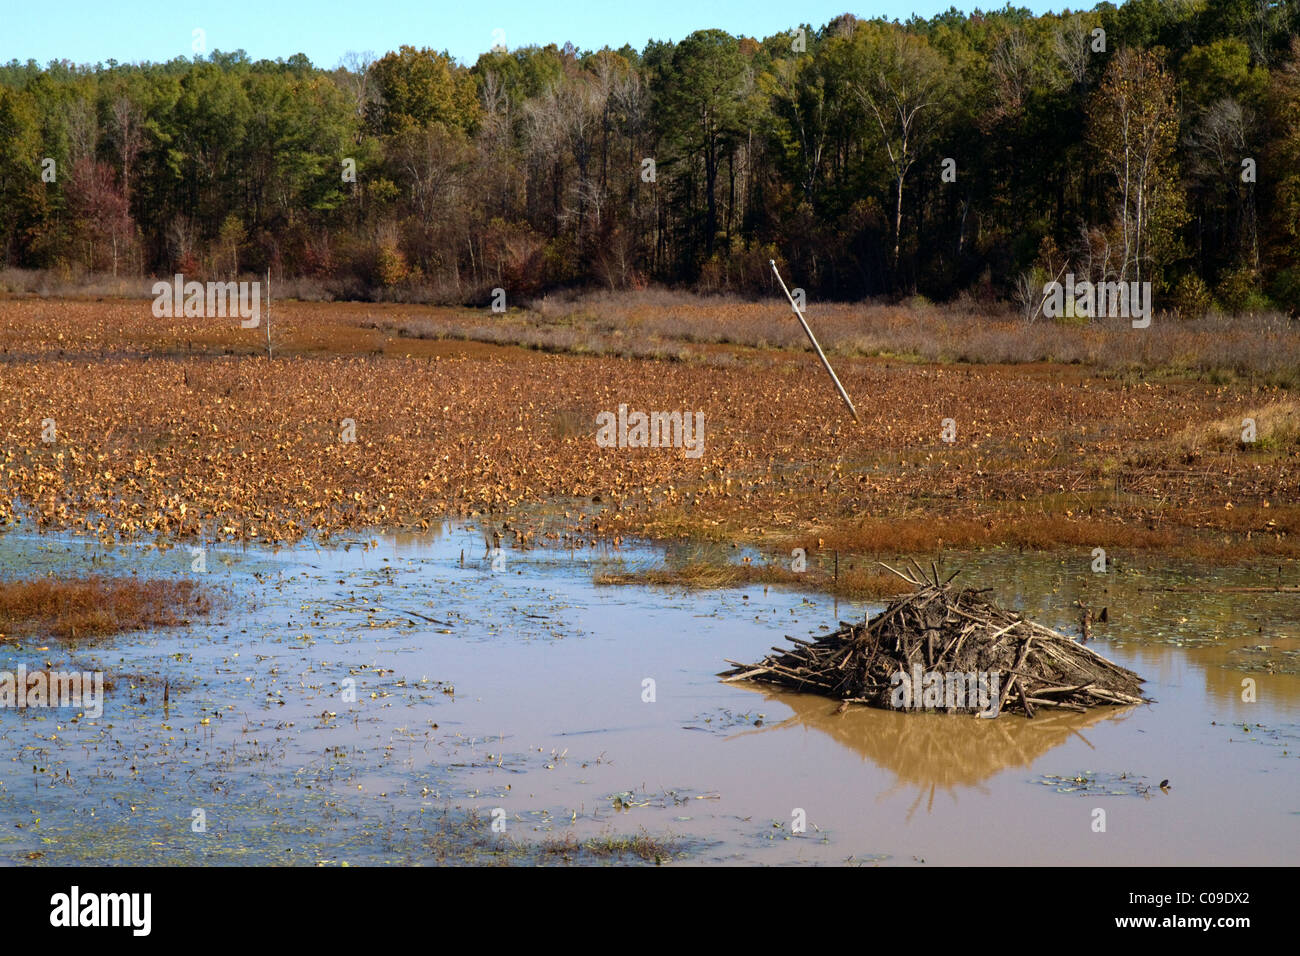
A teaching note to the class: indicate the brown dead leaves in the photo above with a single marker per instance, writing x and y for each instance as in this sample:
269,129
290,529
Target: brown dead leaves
159,432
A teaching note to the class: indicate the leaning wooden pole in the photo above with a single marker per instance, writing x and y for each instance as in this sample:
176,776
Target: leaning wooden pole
813,339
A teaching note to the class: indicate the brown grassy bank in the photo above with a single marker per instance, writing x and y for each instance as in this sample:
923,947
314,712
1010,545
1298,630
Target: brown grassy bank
662,324
851,581
180,427
95,606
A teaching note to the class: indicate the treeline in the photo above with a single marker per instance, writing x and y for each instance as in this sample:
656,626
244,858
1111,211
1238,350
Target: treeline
982,155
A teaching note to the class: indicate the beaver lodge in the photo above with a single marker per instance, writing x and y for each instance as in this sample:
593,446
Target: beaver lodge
947,648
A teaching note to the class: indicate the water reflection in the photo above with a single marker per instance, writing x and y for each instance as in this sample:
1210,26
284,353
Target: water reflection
936,751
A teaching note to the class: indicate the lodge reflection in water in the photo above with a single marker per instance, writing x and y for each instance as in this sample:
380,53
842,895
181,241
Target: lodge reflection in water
937,750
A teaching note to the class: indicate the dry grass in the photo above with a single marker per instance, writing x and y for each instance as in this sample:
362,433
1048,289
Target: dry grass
47,283
918,535
570,849
176,427
1277,429
851,582
95,606
460,838
662,324
666,324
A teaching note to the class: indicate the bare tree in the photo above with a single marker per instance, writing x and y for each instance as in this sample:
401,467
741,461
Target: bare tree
82,126
1072,42
128,134
496,103
1262,20
1134,128
1216,146
436,162
180,240
499,172
563,122
1012,67
354,69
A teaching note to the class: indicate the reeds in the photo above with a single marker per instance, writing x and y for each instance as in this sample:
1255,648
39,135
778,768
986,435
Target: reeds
95,606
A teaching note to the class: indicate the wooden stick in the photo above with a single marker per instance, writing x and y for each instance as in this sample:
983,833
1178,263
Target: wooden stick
1058,703
813,339
743,676
899,573
1024,699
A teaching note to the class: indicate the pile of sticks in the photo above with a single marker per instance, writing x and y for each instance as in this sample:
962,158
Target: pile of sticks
930,638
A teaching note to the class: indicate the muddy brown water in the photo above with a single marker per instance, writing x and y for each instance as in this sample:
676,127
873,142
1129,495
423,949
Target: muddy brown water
528,696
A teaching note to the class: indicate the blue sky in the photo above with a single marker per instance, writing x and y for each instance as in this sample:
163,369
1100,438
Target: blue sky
90,31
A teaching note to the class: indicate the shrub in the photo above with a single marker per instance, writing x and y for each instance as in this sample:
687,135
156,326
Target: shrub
1238,291
390,264
96,606
1191,298
1285,289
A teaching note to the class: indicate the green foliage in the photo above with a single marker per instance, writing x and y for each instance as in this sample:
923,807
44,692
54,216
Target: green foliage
1238,291
421,87
702,101
1285,289
695,161
1191,298
1221,69
1282,159
23,206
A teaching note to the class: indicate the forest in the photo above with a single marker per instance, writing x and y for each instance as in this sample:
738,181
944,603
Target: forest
979,155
